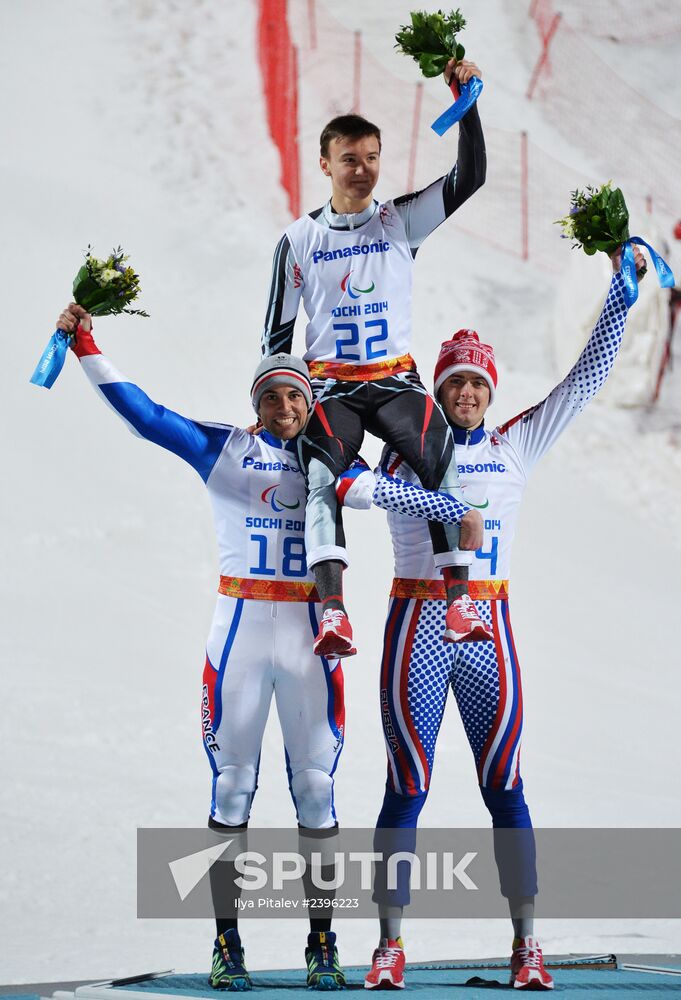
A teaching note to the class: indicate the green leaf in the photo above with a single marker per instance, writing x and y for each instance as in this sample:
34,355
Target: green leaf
618,216
83,287
432,64
104,309
606,245
81,276
95,299
89,291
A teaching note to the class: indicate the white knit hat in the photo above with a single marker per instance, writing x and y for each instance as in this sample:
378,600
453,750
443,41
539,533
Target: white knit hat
280,369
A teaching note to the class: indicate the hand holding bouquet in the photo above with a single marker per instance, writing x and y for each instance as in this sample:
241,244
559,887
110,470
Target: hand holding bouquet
599,220
430,39
103,288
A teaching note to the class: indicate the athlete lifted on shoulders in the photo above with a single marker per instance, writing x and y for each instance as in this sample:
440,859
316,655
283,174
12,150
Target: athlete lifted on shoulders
351,263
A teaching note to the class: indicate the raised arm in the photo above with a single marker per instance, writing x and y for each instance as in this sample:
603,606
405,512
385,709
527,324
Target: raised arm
423,211
534,430
286,289
198,444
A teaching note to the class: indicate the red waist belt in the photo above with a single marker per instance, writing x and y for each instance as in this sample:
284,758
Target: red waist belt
362,373
434,590
267,590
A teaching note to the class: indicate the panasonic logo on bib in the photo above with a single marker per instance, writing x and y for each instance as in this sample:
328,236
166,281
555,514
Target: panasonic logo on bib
480,467
252,463
357,251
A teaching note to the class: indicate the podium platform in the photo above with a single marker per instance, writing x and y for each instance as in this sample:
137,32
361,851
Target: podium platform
575,976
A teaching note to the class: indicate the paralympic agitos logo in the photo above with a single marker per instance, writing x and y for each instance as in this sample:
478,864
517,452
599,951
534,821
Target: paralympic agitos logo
352,291
270,496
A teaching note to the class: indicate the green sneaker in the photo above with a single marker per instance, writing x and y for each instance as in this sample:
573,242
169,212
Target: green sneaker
323,969
228,971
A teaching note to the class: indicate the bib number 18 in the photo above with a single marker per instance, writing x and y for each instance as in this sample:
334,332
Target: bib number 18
292,557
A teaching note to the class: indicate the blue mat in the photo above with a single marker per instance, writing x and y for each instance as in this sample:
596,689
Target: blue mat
476,980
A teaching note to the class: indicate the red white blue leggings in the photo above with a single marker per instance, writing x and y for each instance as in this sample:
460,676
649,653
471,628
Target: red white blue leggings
417,671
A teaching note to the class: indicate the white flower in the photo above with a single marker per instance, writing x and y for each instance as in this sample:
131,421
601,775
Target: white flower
108,274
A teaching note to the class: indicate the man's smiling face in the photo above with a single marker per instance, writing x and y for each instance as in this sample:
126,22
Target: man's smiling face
464,397
283,411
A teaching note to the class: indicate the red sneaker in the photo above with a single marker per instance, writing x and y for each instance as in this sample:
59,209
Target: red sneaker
463,623
527,966
387,966
335,635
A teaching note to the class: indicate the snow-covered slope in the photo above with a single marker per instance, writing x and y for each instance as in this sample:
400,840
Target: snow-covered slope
141,122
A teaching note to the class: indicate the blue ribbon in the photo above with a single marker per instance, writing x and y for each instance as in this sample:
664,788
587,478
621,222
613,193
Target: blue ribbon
469,94
628,269
52,360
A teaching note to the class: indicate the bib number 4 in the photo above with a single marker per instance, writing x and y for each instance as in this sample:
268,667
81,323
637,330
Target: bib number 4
491,554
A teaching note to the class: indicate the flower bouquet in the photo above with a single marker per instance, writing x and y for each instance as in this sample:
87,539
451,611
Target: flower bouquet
599,220
431,40
103,288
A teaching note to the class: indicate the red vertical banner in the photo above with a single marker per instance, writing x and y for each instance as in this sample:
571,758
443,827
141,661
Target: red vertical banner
543,61
664,364
418,100
357,73
312,23
524,198
279,71
290,168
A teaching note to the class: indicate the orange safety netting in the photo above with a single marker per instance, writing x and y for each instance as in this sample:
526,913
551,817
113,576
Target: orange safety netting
646,20
526,189
279,70
584,97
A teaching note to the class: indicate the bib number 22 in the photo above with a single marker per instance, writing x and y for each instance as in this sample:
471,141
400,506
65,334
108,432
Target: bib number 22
352,340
